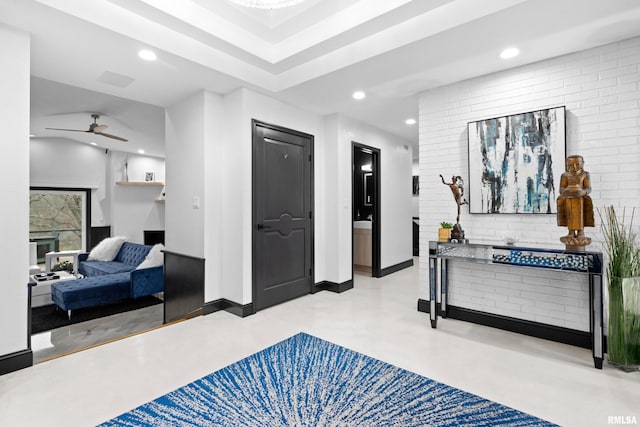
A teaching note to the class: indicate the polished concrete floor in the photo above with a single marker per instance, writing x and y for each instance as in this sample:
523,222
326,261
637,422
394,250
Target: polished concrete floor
57,342
378,318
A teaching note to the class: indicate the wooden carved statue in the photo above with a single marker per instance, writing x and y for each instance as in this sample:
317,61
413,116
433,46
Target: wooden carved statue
457,189
575,208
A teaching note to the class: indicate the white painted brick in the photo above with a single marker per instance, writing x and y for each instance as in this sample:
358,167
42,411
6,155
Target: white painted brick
619,106
565,90
509,306
622,89
635,131
582,95
629,96
620,71
600,67
538,311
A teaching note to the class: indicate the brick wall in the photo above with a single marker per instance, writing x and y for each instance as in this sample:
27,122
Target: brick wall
601,91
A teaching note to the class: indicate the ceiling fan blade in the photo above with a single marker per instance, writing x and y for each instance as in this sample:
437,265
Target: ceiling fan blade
70,130
119,138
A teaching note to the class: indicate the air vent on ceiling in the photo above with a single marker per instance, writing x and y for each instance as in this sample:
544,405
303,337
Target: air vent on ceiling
115,79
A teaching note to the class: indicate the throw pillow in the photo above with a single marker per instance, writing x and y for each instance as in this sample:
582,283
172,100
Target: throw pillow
107,249
155,257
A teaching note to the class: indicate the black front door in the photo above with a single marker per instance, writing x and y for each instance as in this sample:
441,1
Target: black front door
282,214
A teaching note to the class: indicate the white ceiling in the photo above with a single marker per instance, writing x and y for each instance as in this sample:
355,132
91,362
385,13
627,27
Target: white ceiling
313,55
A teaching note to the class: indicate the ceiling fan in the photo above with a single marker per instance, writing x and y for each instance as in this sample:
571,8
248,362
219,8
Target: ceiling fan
95,128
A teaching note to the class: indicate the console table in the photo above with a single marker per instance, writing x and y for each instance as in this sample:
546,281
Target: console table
589,263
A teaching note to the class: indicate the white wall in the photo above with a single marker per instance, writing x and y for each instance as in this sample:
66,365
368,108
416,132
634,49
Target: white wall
129,210
415,200
241,107
196,169
184,148
213,192
14,180
395,193
600,89
134,208
209,152
57,162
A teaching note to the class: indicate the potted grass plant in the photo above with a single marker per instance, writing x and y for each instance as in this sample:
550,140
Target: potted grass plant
623,277
444,232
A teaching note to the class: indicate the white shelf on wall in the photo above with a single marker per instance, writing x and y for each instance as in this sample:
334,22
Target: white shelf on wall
141,183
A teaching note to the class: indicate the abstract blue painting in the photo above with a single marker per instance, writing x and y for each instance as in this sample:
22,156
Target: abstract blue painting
515,161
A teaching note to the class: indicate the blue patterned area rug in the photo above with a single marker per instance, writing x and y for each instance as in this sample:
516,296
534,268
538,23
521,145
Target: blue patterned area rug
306,381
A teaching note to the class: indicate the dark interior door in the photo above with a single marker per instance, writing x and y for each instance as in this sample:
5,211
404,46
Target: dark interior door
282,213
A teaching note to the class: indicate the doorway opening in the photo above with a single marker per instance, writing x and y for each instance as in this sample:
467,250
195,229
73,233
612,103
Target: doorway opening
366,209
59,228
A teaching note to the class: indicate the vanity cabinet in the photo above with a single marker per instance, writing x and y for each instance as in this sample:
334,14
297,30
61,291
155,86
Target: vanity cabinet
362,249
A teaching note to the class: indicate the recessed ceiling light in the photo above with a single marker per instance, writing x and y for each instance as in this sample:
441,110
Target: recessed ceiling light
410,121
147,55
511,52
94,144
31,135
359,95
141,151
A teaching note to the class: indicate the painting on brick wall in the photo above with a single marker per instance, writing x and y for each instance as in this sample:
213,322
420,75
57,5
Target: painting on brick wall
515,162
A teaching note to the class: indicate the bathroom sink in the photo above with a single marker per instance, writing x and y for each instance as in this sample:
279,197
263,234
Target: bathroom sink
362,224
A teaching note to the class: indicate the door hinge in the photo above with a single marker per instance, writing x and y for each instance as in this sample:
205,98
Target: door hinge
310,215
310,272
309,157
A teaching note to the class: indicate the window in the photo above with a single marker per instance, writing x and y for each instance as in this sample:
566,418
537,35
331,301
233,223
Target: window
58,219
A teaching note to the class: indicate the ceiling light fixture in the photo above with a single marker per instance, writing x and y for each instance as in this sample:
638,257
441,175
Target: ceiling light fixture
147,55
267,4
359,95
511,52
141,151
94,144
410,121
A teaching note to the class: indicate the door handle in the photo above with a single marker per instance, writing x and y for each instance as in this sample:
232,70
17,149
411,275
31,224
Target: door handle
262,226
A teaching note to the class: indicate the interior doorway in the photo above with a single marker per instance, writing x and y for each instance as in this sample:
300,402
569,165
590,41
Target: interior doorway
366,209
60,222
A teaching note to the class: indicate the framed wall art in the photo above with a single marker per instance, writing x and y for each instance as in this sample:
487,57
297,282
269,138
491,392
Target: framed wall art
515,162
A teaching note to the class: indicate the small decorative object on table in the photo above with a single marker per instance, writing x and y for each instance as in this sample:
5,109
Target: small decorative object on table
457,188
41,277
575,208
444,232
148,176
64,266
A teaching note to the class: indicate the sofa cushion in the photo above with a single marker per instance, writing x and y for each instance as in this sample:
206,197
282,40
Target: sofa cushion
99,268
91,291
132,253
107,249
155,257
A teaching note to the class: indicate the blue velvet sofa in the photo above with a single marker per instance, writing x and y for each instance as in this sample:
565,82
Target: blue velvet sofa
109,281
